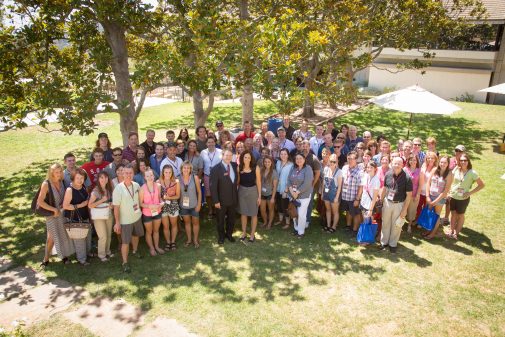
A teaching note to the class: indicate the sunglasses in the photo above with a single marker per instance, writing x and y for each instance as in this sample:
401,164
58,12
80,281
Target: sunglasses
463,160
416,144
333,161
340,137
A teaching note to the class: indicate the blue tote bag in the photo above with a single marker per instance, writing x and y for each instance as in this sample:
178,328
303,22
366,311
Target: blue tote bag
367,231
428,218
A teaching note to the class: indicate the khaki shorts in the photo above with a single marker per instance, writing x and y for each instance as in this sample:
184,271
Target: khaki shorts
132,229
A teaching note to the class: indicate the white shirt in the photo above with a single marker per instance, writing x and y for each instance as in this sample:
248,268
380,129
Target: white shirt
286,143
210,159
369,186
315,144
176,165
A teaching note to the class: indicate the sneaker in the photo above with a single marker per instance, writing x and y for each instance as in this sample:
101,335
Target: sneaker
383,247
392,249
110,256
126,268
104,259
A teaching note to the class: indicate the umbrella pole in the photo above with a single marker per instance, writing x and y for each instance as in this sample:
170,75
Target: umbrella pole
408,129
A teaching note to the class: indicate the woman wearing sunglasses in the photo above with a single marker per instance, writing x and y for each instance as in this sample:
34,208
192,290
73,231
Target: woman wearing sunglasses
461,189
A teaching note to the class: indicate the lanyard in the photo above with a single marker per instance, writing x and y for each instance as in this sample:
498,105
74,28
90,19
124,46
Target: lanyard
174,165
328,182
151,194
395,181
211,159
132,194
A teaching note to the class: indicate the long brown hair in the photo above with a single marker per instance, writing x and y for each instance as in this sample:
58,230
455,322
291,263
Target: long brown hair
253,161
268,177
162,173
108,186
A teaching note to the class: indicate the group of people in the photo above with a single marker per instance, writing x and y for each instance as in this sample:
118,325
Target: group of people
279,175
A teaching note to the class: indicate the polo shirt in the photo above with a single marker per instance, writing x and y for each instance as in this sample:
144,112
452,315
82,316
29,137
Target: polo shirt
125,198
129,154
176,165
400,184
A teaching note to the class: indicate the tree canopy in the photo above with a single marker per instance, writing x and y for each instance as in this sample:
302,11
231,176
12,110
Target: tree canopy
68,56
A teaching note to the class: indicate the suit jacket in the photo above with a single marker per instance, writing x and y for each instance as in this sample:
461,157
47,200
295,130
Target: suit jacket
222,189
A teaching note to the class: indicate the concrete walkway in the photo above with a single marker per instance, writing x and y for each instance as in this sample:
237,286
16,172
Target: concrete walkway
28,295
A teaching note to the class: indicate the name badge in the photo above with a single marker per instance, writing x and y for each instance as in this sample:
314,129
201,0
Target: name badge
391,195
344,189
326,190
185,201
263,189
460,192
136,208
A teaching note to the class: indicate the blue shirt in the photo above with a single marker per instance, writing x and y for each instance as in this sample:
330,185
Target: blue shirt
155,164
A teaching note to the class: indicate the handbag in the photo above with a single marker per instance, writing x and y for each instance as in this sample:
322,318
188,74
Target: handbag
100,213
428,218
367,231
292,211
77,230
49,199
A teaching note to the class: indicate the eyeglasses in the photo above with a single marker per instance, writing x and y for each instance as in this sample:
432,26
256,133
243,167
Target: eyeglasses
359,148
116,154
416,144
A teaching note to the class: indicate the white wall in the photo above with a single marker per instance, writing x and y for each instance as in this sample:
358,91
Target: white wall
447,83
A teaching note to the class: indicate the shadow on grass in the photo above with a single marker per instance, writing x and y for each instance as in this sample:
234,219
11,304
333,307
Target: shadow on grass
448,131
231,115
20,230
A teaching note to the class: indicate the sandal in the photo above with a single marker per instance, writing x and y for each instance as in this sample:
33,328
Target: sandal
331,230
66,260
285,227
44,264
167,247
187,244
197,244
173,246
160,251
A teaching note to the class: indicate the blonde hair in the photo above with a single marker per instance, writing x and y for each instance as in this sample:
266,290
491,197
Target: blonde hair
52,168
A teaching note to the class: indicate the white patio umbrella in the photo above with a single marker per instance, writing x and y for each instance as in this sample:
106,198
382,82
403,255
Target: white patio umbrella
415,100
496,89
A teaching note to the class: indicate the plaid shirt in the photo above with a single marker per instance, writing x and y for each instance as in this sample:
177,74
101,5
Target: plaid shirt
351,179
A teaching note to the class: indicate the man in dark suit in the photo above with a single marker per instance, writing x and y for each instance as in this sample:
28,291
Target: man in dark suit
223,190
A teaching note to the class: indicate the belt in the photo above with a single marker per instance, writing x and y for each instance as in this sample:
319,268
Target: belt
395,202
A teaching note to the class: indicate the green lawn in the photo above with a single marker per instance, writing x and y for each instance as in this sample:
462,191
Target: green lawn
323,285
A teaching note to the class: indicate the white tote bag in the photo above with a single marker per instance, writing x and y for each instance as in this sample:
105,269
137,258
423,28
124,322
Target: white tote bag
101,212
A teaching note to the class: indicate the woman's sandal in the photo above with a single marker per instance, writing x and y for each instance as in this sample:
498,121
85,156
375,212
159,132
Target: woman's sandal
331,230
173,246
197,244
44,264
187,244
285,227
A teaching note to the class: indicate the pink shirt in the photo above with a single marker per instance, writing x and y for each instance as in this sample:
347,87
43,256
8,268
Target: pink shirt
150,198
414,176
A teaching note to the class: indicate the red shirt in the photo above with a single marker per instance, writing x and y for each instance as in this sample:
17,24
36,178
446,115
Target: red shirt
92,170
242,137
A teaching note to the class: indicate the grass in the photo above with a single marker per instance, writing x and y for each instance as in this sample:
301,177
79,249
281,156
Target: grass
320,286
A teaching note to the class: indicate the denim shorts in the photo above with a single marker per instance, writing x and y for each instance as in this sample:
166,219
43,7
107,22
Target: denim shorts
441,201
190,212
147,218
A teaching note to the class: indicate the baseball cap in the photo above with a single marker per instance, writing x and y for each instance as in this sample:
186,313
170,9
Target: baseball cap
281,128
219,123
102,134
460,148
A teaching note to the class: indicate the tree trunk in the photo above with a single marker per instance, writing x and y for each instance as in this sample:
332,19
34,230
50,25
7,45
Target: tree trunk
313,68
116,39
247,101
200,113
308,104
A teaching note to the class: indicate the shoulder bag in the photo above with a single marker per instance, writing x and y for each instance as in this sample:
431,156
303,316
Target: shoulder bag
49,199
